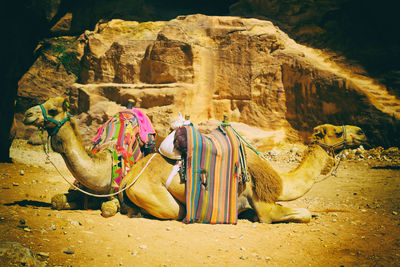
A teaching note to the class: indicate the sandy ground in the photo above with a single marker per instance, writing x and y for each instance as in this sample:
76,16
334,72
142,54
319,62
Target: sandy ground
356,223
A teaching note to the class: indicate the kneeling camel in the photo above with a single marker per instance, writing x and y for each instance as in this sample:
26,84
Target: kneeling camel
151,193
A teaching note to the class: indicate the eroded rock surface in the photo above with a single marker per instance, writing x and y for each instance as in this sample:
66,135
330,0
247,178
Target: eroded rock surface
208,67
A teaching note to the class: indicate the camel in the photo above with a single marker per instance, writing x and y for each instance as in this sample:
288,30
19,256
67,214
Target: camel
151,193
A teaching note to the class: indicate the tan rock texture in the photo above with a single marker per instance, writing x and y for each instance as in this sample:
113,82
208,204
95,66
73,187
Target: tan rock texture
273,89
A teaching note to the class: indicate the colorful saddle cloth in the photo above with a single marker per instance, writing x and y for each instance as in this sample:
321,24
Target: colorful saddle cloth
215,164
128,135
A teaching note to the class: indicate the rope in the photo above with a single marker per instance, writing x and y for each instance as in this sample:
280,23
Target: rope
333,172
96,195
248,145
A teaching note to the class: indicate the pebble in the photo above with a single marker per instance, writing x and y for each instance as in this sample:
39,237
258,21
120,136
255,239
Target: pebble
52,227
143,246
394,213
68,251
243,257
22,172
76,223
168,228
134,253
44,254
15,184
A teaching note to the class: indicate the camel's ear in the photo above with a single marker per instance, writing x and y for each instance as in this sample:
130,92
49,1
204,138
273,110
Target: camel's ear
65,105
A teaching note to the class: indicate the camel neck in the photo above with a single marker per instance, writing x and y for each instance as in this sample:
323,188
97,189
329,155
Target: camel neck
94,173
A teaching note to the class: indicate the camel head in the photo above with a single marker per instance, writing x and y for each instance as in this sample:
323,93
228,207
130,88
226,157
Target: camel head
337,138
50,115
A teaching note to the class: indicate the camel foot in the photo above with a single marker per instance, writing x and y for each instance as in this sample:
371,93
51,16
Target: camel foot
60,202
110,208
298,215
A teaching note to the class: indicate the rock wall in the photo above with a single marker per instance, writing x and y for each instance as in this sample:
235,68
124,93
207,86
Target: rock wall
274,89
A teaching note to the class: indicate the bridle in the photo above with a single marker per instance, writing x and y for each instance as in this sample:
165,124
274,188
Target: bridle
331,148
55,130
58,124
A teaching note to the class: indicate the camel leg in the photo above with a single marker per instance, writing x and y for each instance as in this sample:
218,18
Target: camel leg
156,200
272,212
68,201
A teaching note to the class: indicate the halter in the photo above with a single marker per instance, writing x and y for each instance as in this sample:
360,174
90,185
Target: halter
332,148
58,124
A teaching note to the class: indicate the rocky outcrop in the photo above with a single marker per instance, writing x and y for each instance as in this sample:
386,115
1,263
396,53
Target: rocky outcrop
273,88
362,33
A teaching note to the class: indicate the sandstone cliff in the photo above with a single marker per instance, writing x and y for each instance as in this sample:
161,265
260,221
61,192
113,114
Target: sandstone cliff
274,89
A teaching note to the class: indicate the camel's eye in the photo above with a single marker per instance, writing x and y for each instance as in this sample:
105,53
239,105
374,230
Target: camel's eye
319,135
360,132
53,112
339,134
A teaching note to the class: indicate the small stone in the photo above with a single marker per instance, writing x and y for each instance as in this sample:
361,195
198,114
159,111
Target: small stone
134,253
44,254
243,257
168,228
68,251
15,184
22,172
394,213
75,223
142,246
232,237
130,235
52,227
27,229
267,258
242,248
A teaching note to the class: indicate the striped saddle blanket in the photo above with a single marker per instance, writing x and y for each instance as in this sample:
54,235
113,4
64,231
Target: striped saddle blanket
215,163
128,136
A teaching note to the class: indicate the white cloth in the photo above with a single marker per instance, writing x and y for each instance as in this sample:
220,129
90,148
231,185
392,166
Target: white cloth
167,148
174,172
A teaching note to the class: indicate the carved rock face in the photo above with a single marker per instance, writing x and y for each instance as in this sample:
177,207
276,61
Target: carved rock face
208,67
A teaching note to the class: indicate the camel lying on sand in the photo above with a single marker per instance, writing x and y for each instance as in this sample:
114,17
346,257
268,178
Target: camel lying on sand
150,193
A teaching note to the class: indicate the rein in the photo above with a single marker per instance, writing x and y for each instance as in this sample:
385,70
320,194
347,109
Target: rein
97,195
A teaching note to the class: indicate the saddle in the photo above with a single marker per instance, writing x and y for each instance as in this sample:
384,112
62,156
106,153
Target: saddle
128,136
